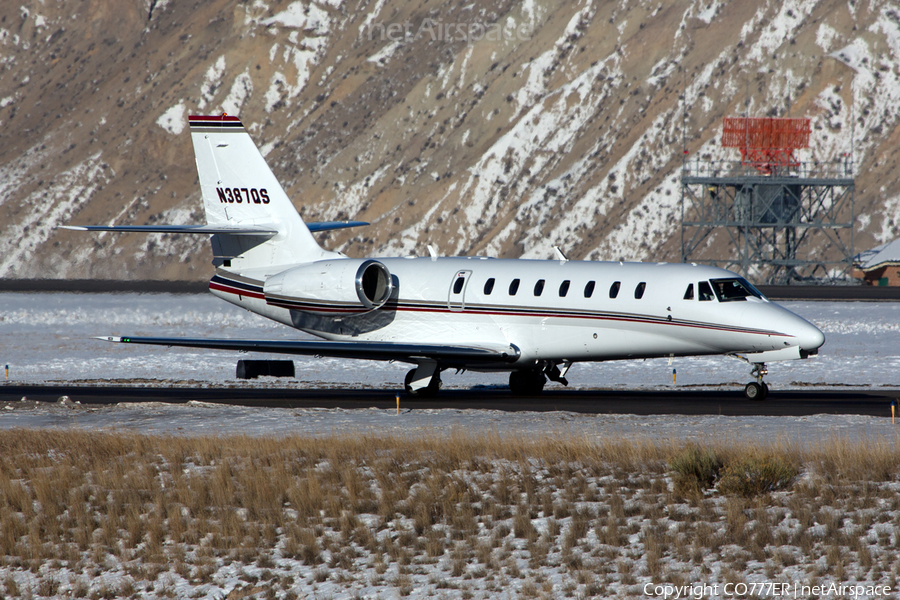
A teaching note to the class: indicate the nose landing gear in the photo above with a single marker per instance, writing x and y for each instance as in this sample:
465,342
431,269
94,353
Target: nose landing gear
757,390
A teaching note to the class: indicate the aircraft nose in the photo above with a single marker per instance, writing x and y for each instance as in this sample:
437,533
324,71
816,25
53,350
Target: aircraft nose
810,337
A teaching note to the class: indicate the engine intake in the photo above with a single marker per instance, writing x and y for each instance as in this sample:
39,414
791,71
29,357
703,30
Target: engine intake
331,287
373,284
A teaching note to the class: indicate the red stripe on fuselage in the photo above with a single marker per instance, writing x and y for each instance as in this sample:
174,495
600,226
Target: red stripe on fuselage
470,311
235,290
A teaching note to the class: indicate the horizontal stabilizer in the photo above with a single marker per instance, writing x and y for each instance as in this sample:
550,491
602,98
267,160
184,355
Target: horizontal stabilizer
194,229
210,229
331,225
449,355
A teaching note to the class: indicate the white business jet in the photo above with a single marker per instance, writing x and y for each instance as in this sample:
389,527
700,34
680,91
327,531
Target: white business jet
531,318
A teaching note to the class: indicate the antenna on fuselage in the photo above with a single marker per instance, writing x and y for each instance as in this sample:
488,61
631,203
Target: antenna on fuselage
560,255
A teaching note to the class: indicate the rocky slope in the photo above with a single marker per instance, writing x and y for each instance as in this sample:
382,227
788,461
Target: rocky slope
496,127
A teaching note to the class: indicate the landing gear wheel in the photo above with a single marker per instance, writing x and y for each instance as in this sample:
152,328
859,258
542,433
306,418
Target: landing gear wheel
755,391
527,382
429,391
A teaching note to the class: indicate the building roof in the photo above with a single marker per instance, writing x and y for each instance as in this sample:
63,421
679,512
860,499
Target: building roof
880,256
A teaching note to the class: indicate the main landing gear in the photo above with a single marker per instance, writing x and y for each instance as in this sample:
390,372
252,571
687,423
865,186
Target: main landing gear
757,390
530,382
428,391
527,382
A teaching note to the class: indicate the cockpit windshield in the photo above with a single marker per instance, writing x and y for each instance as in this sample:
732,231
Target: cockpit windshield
729,290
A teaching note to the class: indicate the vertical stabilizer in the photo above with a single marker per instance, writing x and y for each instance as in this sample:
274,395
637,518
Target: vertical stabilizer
239,189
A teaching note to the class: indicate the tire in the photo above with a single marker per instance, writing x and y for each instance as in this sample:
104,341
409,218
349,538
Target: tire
251,369
754,391
246,369
528,382
765,391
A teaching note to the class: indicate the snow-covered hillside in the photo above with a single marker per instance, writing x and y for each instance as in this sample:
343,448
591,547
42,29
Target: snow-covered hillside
495,127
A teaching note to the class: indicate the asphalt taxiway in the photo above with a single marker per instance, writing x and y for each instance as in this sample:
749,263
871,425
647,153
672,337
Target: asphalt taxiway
646,402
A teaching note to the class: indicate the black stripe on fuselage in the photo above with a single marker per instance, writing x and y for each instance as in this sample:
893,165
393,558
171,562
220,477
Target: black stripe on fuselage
478,309
235,286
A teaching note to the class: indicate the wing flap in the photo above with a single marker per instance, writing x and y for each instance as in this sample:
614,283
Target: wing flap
448,355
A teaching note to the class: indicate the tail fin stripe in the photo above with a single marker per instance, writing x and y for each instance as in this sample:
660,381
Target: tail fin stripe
218,123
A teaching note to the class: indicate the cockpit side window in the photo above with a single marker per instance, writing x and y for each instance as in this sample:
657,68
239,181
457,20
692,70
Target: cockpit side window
731,290
704,291
689,292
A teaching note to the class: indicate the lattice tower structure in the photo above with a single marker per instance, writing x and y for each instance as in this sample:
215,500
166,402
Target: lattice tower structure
770,217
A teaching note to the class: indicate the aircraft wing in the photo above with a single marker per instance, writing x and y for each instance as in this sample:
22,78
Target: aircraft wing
449,355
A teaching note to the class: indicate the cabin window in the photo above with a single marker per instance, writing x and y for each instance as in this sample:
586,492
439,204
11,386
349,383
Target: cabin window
539,287
489,286
689,292
704,291
614,289
458,285
639,290
729,290
513,287
589,289
564,288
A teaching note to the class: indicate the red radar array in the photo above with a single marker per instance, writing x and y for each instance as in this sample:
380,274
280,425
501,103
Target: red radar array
766,143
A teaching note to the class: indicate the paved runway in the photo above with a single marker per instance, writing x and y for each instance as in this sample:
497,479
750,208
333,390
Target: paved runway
664,402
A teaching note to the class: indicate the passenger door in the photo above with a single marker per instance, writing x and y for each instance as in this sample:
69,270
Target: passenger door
457,298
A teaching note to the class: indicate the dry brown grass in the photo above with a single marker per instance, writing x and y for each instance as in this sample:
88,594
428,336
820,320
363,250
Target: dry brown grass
186,505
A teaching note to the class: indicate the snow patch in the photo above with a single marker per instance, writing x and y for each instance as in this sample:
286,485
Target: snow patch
710,13
890,221
301,16
384,55
855,55
48,208
173,119
825,36
241,89
370,18
212,83
780,28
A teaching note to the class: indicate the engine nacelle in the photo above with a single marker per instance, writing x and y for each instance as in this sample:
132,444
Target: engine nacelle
331,287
